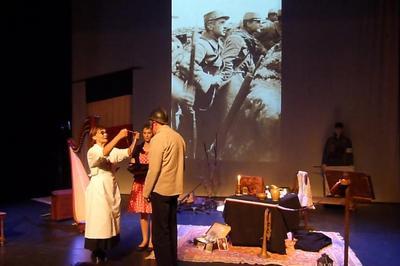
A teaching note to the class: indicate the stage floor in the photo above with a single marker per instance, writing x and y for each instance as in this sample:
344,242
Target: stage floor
32,238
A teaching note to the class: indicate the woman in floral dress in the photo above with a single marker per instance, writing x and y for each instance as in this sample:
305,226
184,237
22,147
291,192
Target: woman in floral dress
137,203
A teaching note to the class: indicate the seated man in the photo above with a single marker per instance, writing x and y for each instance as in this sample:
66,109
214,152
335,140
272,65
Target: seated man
338,150
338,154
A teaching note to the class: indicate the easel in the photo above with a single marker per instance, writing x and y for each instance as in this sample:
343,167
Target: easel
204,208
184,200
358,188
209,203
330,175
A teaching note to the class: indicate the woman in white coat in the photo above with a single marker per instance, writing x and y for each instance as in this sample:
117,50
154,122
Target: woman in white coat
102,225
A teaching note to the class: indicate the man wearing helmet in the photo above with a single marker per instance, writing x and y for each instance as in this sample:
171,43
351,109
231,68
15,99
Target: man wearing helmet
201,72
271,31
163,185
207,57
272,15
255,127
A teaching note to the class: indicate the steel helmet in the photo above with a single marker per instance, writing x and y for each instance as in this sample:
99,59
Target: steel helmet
159,115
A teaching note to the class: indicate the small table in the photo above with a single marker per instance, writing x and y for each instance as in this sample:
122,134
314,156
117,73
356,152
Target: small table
245,215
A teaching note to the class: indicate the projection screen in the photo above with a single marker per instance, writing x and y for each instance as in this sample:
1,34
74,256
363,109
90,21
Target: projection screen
226,78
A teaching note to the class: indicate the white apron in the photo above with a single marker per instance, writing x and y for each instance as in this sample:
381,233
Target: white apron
102,196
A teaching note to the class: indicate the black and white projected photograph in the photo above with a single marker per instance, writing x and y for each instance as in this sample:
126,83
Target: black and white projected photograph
226,78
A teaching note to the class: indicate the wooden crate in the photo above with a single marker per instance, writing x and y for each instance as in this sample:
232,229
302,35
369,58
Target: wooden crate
2,236
61,204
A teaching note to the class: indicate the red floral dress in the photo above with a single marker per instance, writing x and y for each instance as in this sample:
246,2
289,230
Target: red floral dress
137,203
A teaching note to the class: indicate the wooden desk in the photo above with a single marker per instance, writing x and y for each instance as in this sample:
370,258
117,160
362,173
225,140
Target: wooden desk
245,215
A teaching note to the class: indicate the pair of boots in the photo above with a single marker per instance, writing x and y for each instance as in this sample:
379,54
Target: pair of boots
99,256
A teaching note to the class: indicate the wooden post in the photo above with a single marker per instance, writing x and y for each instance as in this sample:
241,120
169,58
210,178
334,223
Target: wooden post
347,226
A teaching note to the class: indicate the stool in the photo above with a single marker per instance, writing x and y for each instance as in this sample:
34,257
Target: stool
61,204
2,236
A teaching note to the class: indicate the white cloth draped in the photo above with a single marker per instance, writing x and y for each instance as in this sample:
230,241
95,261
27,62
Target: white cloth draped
80,181
304,194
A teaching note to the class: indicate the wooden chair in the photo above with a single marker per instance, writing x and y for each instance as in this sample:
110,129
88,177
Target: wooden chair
302,187
254,184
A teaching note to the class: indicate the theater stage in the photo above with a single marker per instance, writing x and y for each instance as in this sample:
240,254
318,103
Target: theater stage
32,238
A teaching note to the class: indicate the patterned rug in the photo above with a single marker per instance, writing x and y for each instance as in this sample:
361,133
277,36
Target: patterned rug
235,254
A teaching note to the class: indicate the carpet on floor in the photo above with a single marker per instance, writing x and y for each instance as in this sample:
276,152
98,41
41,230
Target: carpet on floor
187,251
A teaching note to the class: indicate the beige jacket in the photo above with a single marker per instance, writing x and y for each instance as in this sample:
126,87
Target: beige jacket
166,163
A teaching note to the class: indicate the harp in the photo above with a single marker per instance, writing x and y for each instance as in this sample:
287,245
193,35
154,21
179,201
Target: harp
79,176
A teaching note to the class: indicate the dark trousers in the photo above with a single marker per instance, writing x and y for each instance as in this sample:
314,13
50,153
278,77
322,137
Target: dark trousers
164,229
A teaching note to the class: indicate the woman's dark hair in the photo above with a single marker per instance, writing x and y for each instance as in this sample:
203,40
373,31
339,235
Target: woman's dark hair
146,126
93,132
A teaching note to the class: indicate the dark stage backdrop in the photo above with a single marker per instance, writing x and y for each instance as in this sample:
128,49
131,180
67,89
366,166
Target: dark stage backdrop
36,98
339,62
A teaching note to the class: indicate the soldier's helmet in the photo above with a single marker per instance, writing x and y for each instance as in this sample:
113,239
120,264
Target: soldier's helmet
214,15
251,16
159,115
272,12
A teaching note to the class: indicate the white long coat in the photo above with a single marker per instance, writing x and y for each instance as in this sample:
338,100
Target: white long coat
102,196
